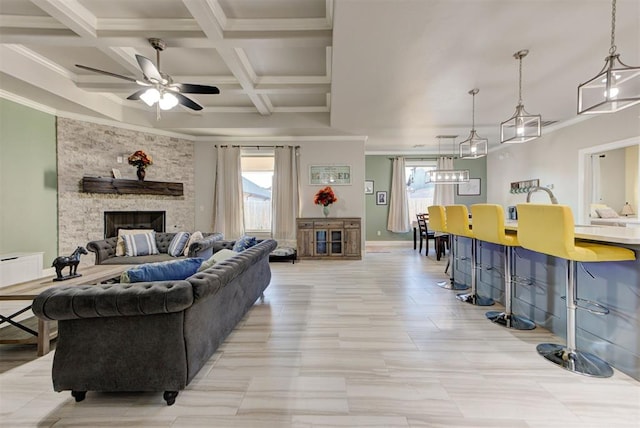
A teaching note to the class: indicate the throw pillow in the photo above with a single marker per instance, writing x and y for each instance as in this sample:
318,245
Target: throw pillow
195,237
243,243
171,270
607,213
142,244
218,256
177,244
120,241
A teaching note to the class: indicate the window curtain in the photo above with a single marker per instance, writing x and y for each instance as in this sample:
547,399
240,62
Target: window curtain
285,195
398,220
443,193
228,206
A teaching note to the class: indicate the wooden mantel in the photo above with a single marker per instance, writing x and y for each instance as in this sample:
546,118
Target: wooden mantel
126,187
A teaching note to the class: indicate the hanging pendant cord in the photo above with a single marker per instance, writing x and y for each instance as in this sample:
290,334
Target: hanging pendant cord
613,47
473,113
520,82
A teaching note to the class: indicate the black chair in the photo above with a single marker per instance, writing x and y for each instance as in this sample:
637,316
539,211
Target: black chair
425,234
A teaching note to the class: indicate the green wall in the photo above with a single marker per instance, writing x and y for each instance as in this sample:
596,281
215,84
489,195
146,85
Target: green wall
378,169
28,181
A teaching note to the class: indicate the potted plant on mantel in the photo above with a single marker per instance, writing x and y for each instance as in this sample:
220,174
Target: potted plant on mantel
140,160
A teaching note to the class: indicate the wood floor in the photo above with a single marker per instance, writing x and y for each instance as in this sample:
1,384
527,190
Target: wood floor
372,343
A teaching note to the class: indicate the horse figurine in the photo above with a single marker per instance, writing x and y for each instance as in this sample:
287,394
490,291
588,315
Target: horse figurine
72,261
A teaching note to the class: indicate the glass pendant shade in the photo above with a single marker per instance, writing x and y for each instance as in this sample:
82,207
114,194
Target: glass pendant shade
150,96
522,126
474,147
615,87
168,101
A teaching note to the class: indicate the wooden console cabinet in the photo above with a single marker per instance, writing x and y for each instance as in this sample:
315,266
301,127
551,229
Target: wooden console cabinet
329,238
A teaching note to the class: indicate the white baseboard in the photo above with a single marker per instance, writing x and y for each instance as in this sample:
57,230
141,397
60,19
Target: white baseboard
388,243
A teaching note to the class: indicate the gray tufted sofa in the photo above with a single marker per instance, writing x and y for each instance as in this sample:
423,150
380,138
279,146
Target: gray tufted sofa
105,249
150,336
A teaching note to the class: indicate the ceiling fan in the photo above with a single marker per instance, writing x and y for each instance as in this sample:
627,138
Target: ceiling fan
158,87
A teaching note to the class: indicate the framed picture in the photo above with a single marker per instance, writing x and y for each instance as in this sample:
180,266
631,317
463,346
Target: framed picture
381,198
368,187
470,188
116,173
334,175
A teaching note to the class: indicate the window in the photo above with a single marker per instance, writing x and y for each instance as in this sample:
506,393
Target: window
257,181
419,189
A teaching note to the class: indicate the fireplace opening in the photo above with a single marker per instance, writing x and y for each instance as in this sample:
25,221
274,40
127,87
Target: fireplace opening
114,220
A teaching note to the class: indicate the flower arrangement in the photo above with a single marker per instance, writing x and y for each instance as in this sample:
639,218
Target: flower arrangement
325,197
140,159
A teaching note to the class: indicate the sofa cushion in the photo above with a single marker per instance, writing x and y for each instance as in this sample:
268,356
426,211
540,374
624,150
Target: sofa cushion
195,236
217,257
162,271
179,241
120,242
142,244
607,213
243,243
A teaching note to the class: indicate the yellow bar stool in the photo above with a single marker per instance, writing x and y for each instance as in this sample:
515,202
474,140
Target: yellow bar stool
458,225
549,229
488,226
438,223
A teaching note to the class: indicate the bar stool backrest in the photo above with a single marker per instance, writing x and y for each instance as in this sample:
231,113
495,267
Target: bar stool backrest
488,225
437,218
458,220
547,229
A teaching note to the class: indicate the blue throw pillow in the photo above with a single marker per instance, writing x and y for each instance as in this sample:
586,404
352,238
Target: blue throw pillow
243,243
177,244
142,244
171,270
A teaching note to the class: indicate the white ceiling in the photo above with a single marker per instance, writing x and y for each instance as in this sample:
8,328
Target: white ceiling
395,71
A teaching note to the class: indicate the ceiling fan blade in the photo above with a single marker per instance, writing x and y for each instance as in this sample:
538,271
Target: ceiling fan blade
136,95
187,102
188,88
149,70
108,73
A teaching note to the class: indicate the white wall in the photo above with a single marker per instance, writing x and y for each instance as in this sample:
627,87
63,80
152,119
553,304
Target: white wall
632,177
612,178
554,158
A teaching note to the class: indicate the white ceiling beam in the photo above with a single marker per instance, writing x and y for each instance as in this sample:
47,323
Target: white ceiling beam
284,24
32,22
144,25
72,14
209,15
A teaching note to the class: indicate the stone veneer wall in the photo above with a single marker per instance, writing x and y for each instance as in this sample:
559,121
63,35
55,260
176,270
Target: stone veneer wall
89,149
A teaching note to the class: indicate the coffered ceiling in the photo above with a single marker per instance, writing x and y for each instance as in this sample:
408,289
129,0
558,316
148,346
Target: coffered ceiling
396,72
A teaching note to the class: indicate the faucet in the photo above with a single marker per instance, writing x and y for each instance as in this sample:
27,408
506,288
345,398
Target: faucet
549,192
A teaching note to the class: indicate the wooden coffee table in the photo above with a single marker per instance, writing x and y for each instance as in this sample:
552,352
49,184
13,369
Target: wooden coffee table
33,329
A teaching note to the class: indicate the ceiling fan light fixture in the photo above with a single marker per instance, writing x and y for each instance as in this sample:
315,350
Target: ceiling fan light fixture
522,126
474,147
150,96
615,87
168,101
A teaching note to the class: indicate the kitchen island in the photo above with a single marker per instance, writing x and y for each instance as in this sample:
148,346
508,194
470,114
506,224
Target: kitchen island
540,288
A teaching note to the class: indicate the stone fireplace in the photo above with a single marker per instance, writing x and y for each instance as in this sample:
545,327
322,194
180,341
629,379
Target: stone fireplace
114,220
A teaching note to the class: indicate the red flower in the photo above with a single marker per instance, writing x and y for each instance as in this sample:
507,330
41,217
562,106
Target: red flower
325,197
140,159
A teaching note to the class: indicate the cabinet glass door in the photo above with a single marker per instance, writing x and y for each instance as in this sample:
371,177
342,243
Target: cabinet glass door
336,242
321,246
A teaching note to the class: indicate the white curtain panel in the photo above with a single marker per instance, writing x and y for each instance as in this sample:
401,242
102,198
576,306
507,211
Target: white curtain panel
285,195
398,220
228,212
443,193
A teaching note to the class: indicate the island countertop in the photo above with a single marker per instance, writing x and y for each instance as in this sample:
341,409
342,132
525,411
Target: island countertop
610,234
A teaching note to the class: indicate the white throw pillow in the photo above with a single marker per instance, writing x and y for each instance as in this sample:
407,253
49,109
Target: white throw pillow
120,251
218,256
607,213
195,236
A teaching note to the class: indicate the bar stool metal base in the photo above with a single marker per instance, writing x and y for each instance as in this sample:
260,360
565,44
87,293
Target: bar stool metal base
452,285
577,361
475,299
515,322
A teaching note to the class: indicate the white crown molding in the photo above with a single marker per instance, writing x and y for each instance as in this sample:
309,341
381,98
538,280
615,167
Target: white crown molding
27,102
37,58
285,138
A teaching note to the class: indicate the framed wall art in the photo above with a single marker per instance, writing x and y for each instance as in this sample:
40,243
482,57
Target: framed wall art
381,198
333,175
368,187
470,188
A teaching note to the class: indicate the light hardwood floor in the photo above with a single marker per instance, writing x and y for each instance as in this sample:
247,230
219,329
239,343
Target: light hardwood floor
371,343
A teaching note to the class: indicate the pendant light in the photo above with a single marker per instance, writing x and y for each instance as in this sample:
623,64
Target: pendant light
522,126
448,176
473,147
616,87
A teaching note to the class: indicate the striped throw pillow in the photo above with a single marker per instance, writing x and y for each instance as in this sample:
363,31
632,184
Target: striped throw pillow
142,244
177,244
